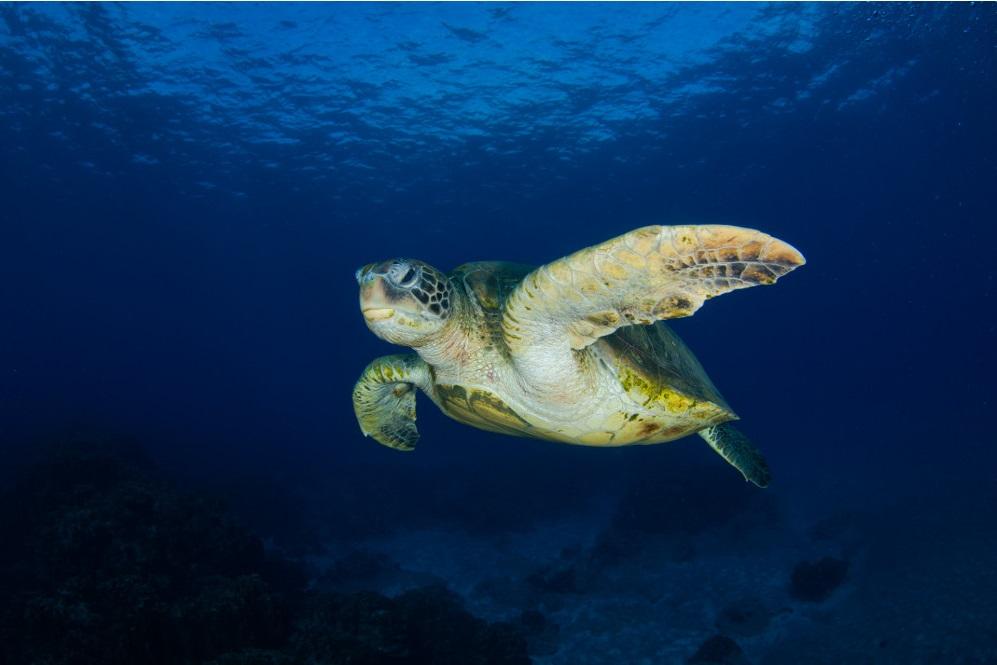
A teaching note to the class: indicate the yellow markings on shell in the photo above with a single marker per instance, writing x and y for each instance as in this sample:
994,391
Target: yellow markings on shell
647,393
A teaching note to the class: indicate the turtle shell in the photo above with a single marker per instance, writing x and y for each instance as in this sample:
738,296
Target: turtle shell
488,284
653,360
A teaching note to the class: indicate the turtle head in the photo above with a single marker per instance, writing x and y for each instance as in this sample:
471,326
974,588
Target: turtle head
404,301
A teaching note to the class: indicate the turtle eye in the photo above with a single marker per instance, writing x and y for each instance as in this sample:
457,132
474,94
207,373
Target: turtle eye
403,274
408,279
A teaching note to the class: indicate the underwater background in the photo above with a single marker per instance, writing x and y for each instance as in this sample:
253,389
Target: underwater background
186,191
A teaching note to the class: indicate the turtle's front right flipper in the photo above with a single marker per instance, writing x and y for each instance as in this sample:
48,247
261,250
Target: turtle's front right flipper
739,452
650,274
384,399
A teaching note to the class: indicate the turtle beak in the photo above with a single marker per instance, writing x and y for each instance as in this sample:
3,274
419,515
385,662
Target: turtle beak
374,301
378,313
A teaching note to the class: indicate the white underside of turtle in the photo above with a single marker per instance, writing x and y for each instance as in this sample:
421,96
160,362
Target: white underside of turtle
574,351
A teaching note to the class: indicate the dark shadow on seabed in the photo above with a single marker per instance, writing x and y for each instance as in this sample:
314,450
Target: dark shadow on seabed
106,560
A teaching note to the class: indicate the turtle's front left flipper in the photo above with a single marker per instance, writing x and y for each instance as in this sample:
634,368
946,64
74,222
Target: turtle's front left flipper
739,452
384,399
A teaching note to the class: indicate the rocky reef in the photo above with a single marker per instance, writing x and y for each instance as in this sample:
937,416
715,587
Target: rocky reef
106,562
426,625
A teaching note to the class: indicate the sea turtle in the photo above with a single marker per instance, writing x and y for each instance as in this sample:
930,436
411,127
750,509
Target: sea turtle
572,351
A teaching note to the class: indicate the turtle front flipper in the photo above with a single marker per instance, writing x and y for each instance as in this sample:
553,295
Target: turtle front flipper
739,452
650,274
384,399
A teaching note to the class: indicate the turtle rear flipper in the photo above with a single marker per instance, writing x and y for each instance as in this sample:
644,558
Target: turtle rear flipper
739,452
384,399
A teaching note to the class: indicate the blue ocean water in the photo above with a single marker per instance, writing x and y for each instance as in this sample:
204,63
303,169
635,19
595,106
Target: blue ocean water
186,191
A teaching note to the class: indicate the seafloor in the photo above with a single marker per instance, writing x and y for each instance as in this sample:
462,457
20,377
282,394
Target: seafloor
108,559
